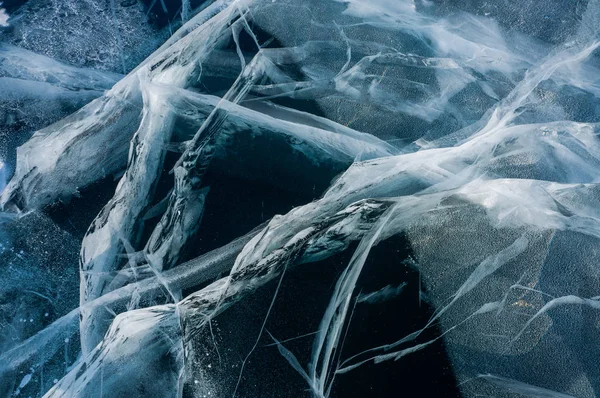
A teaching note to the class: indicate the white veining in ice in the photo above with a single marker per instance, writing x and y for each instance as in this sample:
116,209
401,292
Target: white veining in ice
3,17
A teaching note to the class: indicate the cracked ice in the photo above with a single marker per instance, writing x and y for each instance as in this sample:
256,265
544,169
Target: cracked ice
316,198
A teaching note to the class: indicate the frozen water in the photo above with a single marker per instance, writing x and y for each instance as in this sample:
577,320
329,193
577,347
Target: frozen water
320,198
85,33
3,17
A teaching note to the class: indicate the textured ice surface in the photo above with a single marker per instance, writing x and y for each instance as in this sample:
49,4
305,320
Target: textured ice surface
109,35
320,198
36,91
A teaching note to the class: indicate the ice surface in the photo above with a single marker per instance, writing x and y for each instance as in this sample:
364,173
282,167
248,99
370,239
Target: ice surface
152,331
445,162
36,91
3,17
85,33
